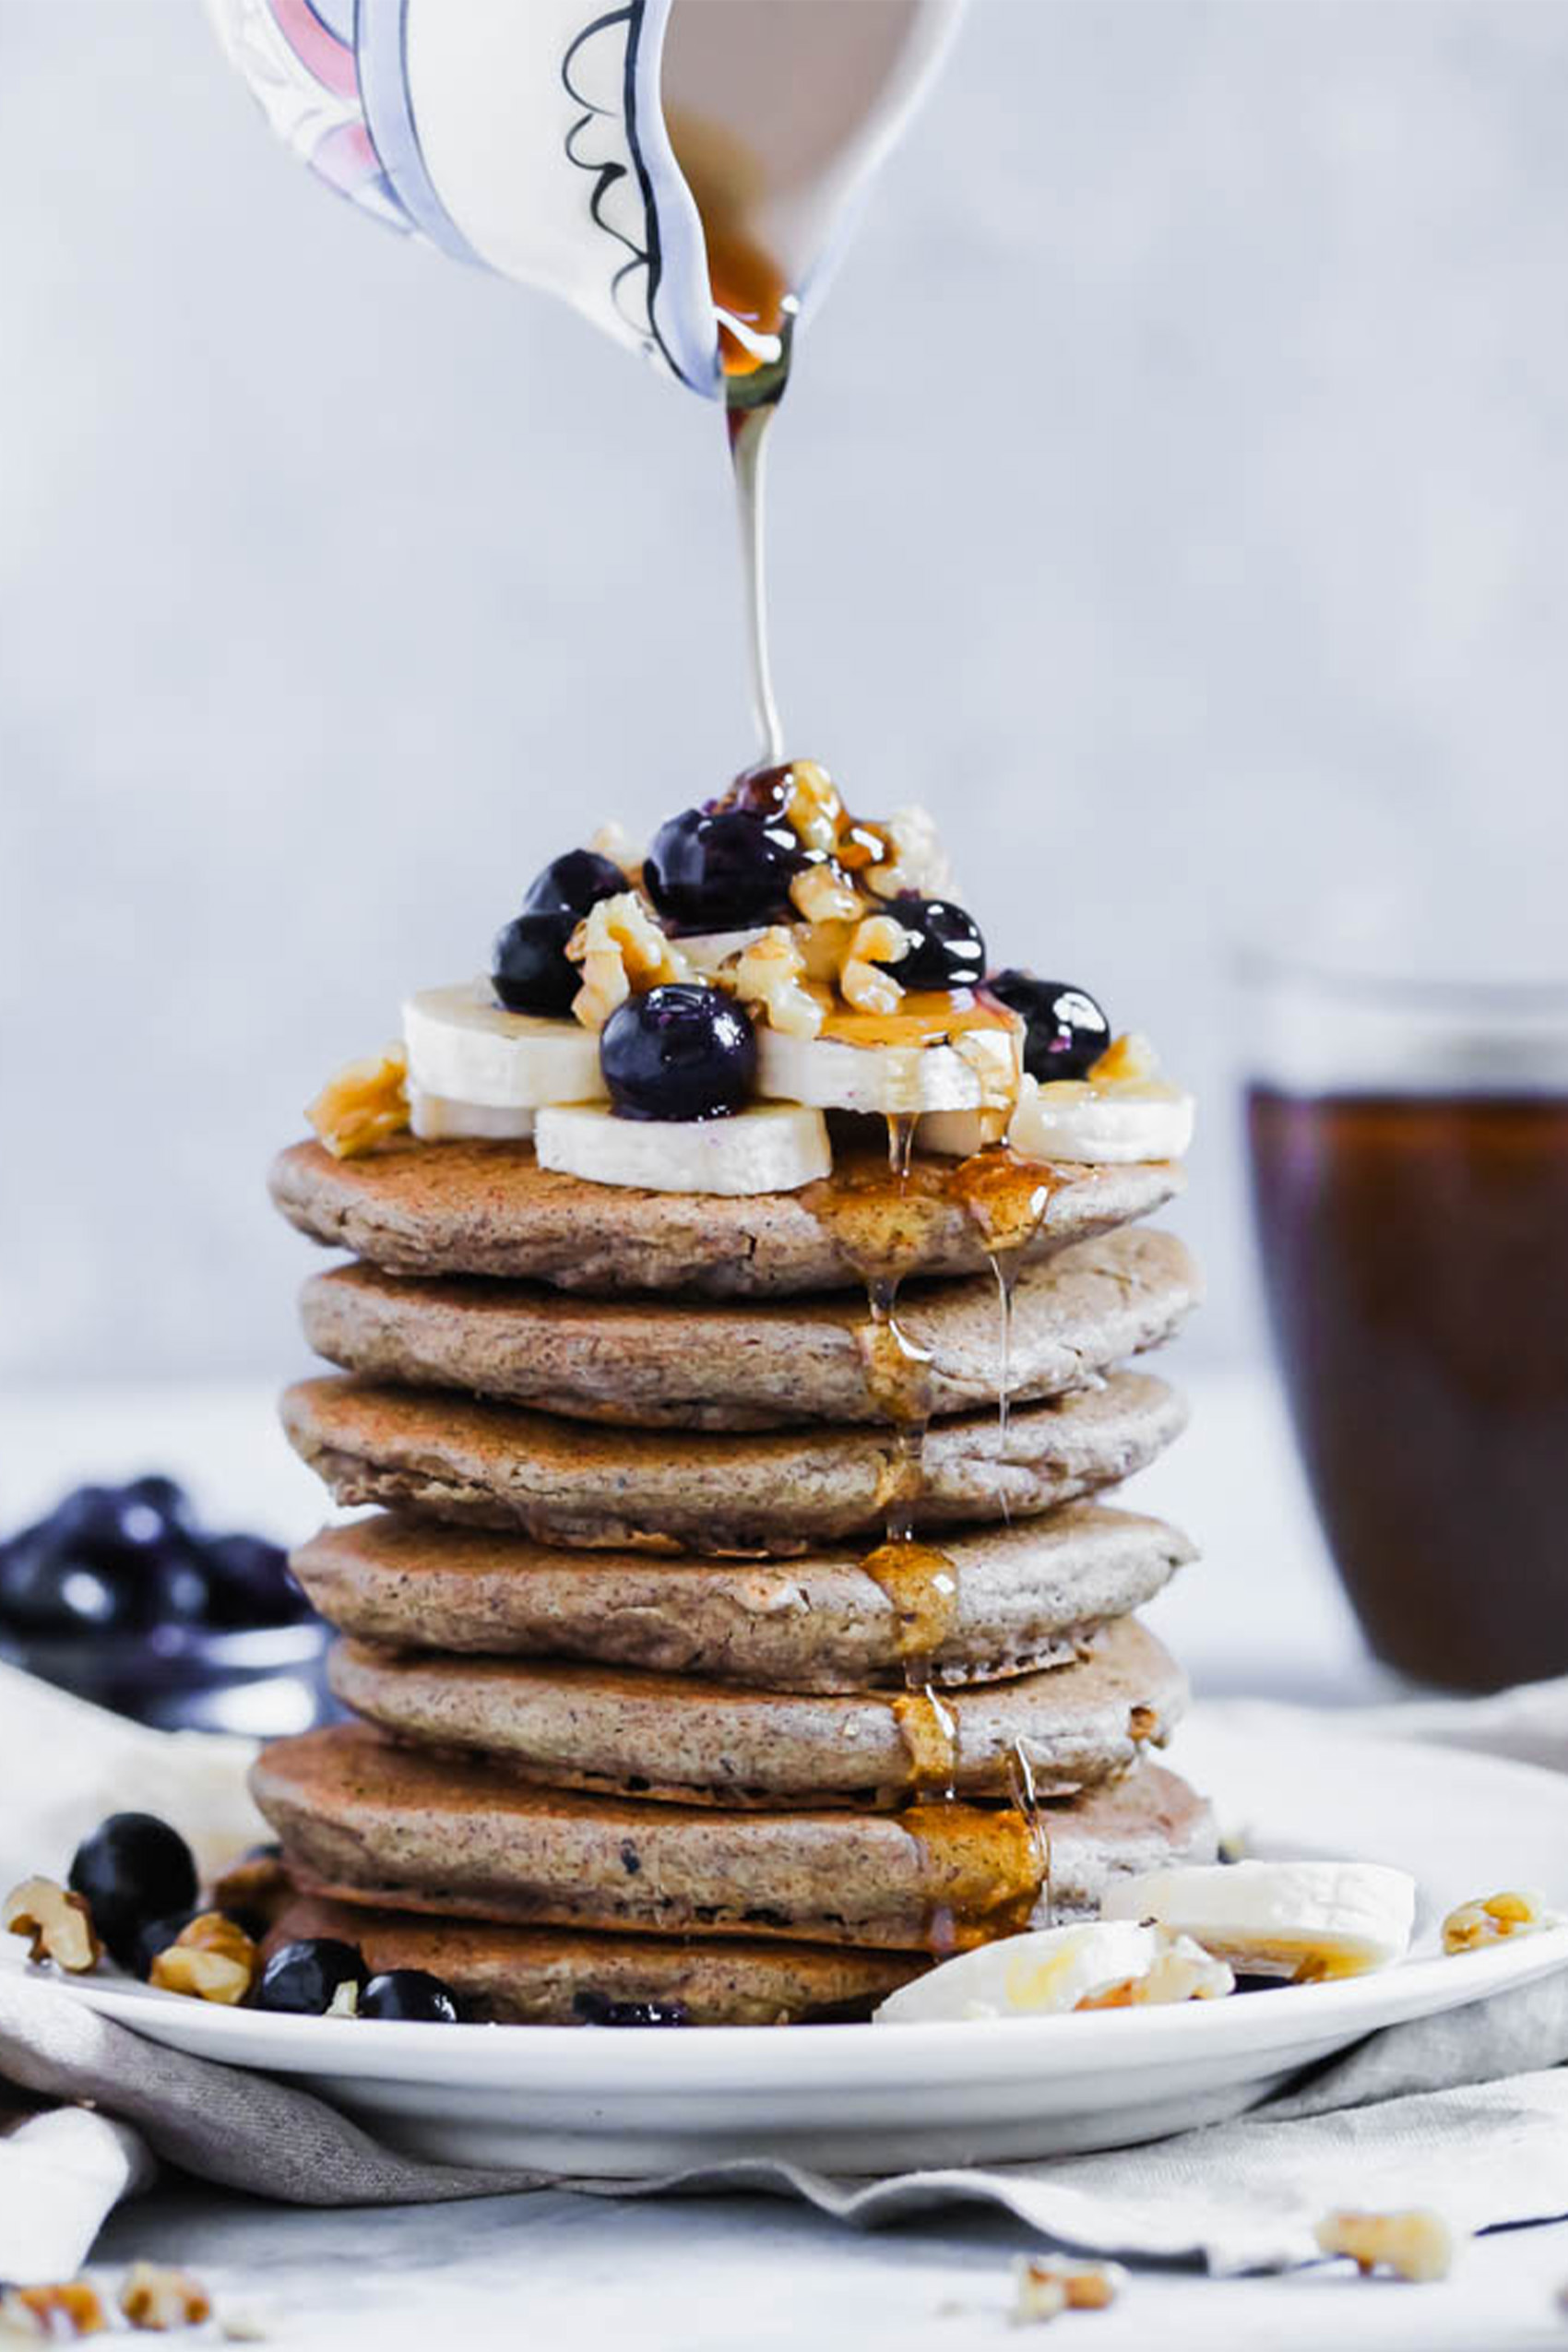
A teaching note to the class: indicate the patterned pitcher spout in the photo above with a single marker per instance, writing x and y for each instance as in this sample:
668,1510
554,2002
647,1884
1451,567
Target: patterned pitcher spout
566,146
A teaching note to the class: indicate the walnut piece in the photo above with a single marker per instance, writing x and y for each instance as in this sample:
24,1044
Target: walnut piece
1129,1056
813,807
913,856
52,2313
158,2299
211,1958
59,1923
362,1104
877,941
820,895
1418,2245
1493,1918
1046,2286
771,972
621,948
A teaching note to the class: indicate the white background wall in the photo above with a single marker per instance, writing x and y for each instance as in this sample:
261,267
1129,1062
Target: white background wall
1173,495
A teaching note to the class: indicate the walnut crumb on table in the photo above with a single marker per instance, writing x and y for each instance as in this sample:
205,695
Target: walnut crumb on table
160,2298
1418,2245
1044,2286
52,2314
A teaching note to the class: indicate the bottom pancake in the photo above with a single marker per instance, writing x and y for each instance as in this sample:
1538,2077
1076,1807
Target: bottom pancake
364,1819
552,1977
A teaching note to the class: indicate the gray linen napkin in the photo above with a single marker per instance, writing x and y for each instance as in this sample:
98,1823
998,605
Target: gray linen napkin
1460,2111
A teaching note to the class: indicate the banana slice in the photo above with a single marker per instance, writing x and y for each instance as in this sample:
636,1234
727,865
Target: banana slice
437,1119
1102,1963
464,1047
1300,1920
1105,1119
773,1147
977,1070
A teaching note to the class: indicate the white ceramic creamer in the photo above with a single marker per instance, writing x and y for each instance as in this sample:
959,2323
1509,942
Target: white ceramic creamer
558,143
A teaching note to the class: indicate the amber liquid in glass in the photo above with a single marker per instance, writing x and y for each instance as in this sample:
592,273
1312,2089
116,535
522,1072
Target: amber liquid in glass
1415,1256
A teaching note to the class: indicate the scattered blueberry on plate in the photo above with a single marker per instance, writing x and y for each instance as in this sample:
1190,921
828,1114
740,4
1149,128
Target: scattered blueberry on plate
303,1979
598,2009
409,1996
132,1872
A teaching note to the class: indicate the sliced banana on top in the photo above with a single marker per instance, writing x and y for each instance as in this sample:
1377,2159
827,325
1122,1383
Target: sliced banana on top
1097,1964
463,1048
1105,1119
773,1147
977,1070
1300,1920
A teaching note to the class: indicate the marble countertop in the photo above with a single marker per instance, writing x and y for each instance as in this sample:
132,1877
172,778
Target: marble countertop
1260,1612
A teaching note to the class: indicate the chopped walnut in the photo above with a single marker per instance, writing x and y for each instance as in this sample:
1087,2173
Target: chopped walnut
912,858
365,1102
53,2313
771,972
1493,1918
820,895
59,1923
621,948
1047,2286
211,1958
1131,1056
613,841
345,2002
877,941
813,807
158,2298
1418,2245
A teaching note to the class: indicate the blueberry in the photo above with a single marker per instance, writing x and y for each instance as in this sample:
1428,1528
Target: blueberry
598,2009
1065,1030
530,971
251,1582
133,1869
178,1589
49,1587
571,884
301,1979
163,1498
411,1996
722,869
948,950
684,1051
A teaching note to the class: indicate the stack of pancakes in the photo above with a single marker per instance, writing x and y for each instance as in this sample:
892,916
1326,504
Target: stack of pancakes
657,1702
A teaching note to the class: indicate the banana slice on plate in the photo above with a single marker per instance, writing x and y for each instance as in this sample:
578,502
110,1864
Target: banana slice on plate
1300,1920
1107,1119
773,1147
463,1048
1096,1965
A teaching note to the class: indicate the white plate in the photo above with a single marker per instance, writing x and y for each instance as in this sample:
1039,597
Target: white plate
863,2099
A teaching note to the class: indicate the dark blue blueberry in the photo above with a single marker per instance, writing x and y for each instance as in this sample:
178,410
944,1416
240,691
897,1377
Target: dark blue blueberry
531,970
300,1979
1065,1030
571,884
684,1051
178,1587
133,1869
948,950
719,870
411,1996
598,2009
163,1498
50,1588
251,1582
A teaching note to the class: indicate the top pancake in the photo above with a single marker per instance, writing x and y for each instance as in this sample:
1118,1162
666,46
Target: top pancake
456,1208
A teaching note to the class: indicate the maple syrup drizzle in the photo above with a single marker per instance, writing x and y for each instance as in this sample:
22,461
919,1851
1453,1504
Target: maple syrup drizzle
981,1868
1026,1805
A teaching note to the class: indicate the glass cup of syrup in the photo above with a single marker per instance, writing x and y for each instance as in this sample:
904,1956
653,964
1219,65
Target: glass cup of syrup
1408,1145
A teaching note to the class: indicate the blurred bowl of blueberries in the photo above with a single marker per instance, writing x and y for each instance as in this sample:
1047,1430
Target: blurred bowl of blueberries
120,1596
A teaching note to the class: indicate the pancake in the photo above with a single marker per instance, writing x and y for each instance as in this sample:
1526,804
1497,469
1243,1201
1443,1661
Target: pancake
578,1483
488,1208
408,1830
552,1975
1024,1597
755,1365
672,1739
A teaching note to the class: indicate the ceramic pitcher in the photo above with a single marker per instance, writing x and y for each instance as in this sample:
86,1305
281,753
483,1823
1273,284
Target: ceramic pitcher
541,138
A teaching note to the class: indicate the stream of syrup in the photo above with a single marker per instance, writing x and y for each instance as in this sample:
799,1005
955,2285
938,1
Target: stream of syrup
984,1866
